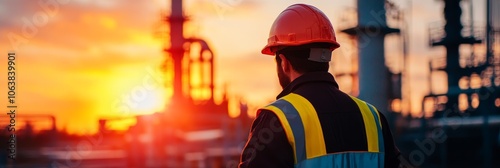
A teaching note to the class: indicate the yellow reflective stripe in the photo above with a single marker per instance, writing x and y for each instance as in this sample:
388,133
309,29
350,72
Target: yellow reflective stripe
286,126
370,125
315,143
378,115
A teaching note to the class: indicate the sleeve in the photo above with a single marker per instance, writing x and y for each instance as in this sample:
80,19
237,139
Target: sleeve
391,150
267,144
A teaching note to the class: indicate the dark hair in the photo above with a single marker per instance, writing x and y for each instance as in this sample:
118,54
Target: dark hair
298,58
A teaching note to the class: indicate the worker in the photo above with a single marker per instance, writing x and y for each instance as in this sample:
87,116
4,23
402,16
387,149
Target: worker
313,123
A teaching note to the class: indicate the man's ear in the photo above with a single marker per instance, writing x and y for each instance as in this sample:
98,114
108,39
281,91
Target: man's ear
284,63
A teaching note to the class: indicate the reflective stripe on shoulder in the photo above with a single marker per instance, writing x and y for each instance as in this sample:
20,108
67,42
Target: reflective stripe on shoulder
371,127
379,127
301,124
315,141
286,127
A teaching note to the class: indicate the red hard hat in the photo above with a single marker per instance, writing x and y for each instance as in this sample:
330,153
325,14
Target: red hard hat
300,24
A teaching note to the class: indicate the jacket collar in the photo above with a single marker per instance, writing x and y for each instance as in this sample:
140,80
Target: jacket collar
309,77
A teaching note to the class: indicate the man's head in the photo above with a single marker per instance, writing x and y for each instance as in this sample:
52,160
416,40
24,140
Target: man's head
292,62
302,39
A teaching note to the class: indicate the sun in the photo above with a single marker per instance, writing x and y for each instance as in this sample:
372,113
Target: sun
136,90
148,101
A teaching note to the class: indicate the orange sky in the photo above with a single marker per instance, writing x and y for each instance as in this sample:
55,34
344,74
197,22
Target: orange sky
90,55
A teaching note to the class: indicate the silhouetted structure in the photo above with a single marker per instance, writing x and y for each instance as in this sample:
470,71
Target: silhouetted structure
461,127
370,31
194,130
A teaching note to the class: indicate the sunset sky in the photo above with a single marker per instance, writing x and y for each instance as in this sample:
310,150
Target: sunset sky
81,61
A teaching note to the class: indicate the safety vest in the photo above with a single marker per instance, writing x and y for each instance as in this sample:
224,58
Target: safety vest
303,130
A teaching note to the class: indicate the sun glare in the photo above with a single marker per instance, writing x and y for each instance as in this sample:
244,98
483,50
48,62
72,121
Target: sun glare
137,90
149,101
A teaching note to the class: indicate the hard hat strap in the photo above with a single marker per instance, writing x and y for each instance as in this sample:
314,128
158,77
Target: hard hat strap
320,55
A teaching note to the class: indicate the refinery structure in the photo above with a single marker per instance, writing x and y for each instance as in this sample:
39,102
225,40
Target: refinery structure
459,128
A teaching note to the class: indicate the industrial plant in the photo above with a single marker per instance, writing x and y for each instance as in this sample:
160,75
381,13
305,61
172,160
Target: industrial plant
458,128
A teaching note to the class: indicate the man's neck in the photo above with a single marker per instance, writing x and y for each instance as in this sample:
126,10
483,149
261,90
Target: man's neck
294,75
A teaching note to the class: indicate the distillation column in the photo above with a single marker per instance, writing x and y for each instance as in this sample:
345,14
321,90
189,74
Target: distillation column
373,73
372,70
176,49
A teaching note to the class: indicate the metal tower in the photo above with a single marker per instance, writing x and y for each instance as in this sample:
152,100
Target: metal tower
370,31
471,95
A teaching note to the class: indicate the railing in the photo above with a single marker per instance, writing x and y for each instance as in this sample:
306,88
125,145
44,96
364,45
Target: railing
437,32
438,63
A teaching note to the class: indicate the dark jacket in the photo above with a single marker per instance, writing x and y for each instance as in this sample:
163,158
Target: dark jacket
340,118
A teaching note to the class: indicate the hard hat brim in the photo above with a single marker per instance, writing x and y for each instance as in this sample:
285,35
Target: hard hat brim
268,49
